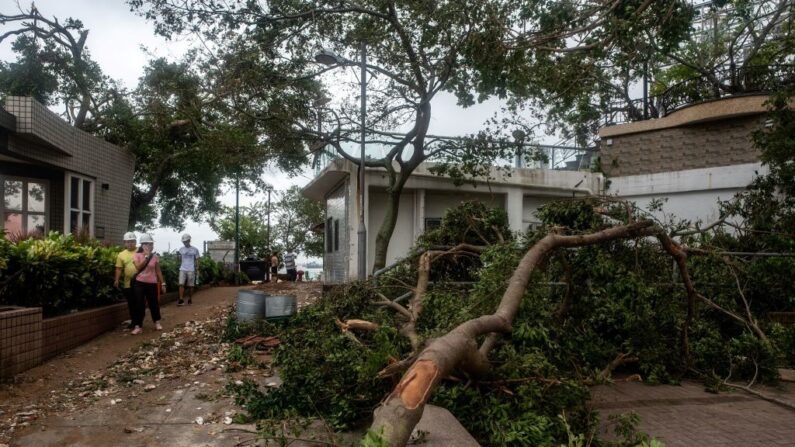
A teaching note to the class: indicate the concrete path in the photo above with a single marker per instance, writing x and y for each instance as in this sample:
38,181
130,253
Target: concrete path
45,392
687,415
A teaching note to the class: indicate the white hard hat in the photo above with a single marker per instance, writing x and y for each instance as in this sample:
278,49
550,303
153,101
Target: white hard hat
129,236
147,239
185,237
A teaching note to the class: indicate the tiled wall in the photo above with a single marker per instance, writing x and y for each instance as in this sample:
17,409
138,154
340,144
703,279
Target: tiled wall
82,153
27,340
718,143
20,339
70,331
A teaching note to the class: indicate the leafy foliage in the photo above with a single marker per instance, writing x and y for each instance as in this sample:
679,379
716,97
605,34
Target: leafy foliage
291,218
57,273
325,371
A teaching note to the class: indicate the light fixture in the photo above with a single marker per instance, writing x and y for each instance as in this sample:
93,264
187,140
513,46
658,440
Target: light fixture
328,57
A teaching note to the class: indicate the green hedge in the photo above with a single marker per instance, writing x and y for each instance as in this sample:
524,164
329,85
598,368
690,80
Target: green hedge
57,273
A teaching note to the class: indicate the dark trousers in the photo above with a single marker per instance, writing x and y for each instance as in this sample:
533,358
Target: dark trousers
292,273
145,293
129,295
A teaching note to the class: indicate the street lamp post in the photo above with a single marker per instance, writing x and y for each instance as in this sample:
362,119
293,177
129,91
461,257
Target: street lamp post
237,229
270,251
329,58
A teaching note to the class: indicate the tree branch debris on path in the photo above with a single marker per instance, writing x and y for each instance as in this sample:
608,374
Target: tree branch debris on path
187,352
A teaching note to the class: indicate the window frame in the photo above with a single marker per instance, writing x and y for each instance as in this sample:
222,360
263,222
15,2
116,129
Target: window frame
68,210
24,211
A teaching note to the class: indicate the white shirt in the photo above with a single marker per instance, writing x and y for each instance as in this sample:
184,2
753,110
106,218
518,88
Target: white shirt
189,256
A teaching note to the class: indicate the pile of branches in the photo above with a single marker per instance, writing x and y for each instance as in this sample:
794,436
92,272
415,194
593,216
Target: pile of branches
513,330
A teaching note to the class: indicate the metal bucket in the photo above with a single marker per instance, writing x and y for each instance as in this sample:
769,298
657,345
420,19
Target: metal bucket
252,305
280,306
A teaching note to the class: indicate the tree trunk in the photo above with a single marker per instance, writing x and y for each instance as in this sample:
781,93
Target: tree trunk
396,417
387,226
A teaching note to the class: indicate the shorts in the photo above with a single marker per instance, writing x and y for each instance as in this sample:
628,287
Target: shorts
274,270
187,279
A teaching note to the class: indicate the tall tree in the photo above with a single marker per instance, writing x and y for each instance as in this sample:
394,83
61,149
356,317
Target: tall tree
254,236
292,217
473,49
55,50
183,122
296,215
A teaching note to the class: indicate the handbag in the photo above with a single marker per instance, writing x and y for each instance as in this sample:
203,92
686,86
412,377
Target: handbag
132,280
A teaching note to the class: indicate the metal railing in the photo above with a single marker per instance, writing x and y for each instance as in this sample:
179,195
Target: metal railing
721,84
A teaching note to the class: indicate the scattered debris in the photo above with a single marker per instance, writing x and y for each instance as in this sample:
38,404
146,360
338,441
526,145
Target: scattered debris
258,341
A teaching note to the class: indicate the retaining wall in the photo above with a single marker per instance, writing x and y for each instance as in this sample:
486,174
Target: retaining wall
28,340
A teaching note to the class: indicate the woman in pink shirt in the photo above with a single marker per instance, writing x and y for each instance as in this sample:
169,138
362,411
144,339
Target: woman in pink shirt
148,265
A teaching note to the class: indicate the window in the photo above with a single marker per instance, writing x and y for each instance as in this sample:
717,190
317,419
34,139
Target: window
329,236
336,234
25,203
79,210
432,223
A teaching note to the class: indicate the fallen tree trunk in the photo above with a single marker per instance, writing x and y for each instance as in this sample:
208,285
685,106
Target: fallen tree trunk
397,415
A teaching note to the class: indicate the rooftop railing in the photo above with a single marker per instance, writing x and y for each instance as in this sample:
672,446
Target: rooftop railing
721,84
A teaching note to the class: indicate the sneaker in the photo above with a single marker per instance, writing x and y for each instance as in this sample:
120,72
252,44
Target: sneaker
136,331
158,327
180,302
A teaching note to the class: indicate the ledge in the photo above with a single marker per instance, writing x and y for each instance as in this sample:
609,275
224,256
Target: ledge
720,109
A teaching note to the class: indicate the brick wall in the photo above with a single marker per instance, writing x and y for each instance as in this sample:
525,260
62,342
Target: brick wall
20,340
63,333
716,143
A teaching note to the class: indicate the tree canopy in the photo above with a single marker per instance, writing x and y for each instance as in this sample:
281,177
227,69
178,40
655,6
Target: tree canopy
474,49
292,217
183,122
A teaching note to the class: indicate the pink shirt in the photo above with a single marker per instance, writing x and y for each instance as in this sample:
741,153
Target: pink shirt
149,274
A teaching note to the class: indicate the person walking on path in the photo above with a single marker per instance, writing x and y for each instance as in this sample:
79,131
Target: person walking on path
289,264
189,262
125,270
147,263
274,266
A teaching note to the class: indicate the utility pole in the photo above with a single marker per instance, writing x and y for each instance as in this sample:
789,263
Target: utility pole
237,229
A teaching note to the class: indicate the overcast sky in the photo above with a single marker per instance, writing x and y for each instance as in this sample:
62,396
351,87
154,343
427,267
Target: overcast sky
116,41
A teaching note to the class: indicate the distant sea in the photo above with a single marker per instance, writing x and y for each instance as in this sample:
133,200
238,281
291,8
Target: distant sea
314,273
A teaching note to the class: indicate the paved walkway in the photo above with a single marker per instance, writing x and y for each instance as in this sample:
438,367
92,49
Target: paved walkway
46,391
686,415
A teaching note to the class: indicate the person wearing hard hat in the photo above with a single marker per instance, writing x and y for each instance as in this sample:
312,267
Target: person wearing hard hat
125,269
189,263
147,263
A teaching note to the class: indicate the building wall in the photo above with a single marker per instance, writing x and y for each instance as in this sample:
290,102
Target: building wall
437,202
690,194
402,237
79,152
723,142
335,262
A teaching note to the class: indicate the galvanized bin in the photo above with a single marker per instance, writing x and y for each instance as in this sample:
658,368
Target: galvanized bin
252,305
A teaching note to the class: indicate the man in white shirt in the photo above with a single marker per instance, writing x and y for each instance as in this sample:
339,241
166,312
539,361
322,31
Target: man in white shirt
189,263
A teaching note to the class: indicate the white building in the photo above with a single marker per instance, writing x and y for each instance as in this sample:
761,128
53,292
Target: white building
693,157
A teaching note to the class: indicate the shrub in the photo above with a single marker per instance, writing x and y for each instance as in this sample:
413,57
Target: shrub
57,273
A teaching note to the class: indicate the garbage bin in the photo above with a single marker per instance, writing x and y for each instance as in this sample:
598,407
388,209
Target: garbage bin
254,269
